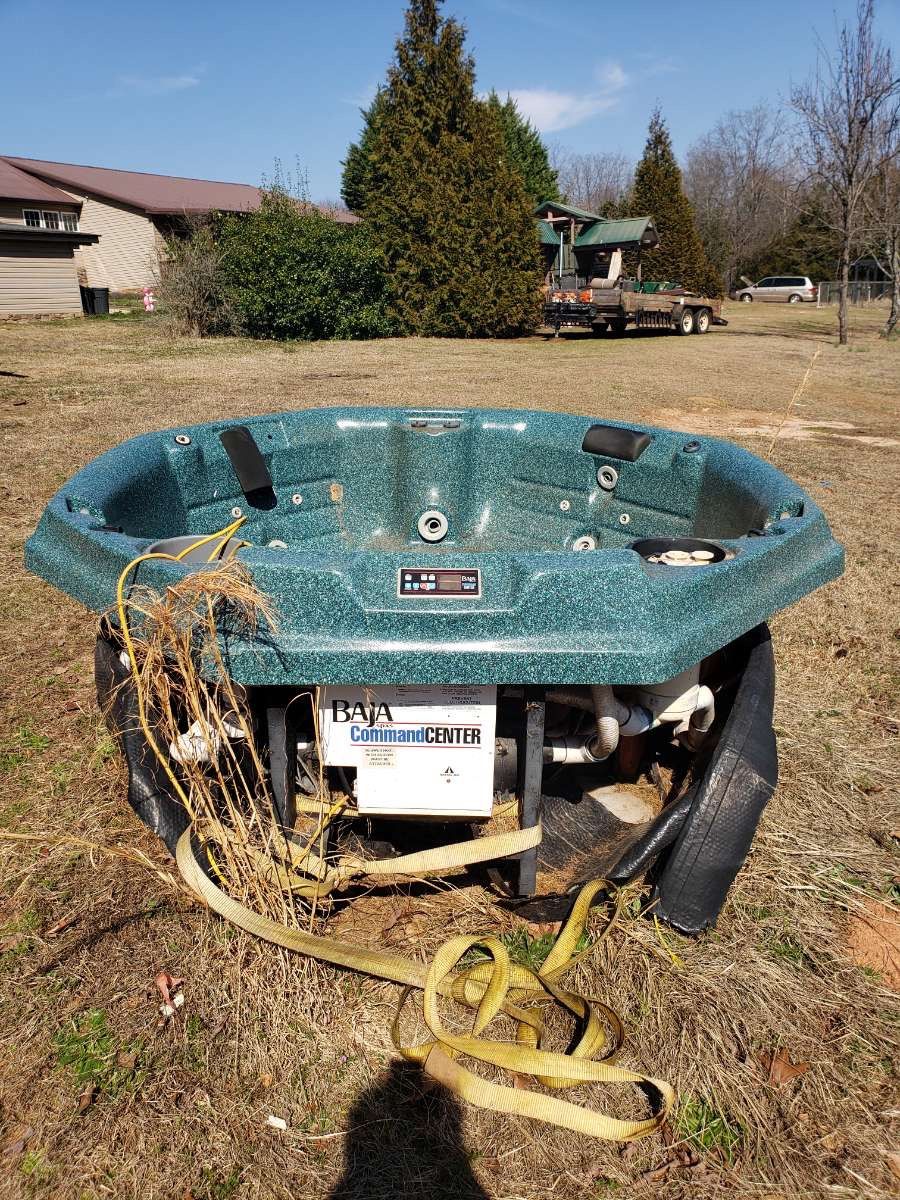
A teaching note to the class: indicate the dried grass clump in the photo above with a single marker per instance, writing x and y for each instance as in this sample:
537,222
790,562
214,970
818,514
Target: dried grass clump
183,681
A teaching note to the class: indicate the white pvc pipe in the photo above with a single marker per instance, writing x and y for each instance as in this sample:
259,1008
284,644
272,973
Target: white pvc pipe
700,721
705,712
201,742
569,750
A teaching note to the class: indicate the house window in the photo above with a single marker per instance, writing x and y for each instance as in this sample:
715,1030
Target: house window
46,219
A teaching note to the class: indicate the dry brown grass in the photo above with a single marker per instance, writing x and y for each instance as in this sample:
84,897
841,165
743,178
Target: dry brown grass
261,1033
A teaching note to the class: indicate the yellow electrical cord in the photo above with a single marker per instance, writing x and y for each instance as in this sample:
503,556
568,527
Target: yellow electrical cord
491,988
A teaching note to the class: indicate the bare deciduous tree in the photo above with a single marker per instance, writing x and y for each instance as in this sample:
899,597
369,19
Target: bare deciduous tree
849,115
735,177
591,180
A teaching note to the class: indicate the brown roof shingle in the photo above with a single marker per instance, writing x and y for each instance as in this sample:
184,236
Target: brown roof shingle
152,193
18,185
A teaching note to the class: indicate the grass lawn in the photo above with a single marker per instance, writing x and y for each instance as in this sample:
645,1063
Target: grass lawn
779,1029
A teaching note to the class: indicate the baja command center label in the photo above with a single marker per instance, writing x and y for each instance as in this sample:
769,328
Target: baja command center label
418,751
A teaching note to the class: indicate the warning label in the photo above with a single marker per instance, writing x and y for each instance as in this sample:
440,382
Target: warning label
379,756
419,751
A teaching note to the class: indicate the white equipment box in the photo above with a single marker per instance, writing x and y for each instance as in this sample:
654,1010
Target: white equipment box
418,751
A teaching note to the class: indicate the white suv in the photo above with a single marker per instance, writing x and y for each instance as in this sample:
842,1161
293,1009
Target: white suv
791,288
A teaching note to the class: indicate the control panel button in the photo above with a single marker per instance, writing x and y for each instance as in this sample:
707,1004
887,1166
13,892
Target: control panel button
443,582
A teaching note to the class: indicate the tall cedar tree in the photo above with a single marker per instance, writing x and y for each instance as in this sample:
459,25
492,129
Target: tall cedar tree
448,214
355,179
658,192
525,150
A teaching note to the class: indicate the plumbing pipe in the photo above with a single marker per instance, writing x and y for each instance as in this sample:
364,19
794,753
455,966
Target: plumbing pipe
632,718
701,719
570,750
571,699
607,711
638,722
201,741
629,757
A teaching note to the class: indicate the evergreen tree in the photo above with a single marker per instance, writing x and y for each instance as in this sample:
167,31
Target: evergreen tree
525,150
449,215
809,246
357,164
658,193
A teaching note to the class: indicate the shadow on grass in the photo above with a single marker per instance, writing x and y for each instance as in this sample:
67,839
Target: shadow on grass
405,1140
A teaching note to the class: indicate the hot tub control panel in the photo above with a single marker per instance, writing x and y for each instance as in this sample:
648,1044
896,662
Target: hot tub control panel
451,583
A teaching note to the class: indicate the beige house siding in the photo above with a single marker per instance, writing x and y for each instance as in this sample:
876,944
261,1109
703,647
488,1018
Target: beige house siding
127,254
37,278
12,211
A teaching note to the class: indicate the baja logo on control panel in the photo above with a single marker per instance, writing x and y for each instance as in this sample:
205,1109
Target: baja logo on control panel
343,710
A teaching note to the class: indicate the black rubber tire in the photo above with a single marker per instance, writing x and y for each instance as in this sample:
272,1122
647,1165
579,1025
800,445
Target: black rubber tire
684,322
794,298
746,299
702,320
617,328
599,329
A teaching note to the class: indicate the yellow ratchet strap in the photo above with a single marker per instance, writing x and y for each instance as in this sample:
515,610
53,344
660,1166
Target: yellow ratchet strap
490,988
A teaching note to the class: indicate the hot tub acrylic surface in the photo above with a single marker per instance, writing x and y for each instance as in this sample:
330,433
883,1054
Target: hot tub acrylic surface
335,536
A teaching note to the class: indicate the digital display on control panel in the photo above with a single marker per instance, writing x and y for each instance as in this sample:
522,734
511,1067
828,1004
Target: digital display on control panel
448,582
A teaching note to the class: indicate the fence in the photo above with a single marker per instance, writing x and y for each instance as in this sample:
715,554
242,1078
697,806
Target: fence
859,292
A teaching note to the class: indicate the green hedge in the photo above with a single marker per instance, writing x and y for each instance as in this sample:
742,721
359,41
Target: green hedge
290,272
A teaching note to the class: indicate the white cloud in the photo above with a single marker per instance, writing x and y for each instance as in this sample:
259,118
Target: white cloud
159,85
550,110
612,76
654,65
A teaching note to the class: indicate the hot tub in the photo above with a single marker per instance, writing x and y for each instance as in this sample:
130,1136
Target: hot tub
530,573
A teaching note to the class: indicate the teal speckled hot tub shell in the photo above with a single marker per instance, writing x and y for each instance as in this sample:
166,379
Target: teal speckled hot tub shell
350,485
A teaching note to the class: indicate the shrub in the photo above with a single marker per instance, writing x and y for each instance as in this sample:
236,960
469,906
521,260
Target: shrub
289,272
190,285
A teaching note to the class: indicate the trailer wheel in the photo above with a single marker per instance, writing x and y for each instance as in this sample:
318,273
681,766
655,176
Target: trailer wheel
598,329
701,321
684,322
617,327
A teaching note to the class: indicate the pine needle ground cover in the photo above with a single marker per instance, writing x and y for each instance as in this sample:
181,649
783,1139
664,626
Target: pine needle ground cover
779,1030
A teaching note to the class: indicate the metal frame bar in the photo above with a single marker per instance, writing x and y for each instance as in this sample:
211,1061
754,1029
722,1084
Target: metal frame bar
282,764
531,767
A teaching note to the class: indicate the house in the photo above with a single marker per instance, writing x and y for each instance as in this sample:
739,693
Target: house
39,239
132,213
584,244
868,270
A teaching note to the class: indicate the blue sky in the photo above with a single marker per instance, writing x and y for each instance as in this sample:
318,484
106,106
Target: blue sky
220,90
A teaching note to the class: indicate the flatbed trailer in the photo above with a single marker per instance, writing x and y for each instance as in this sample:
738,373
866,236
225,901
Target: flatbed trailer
615,308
